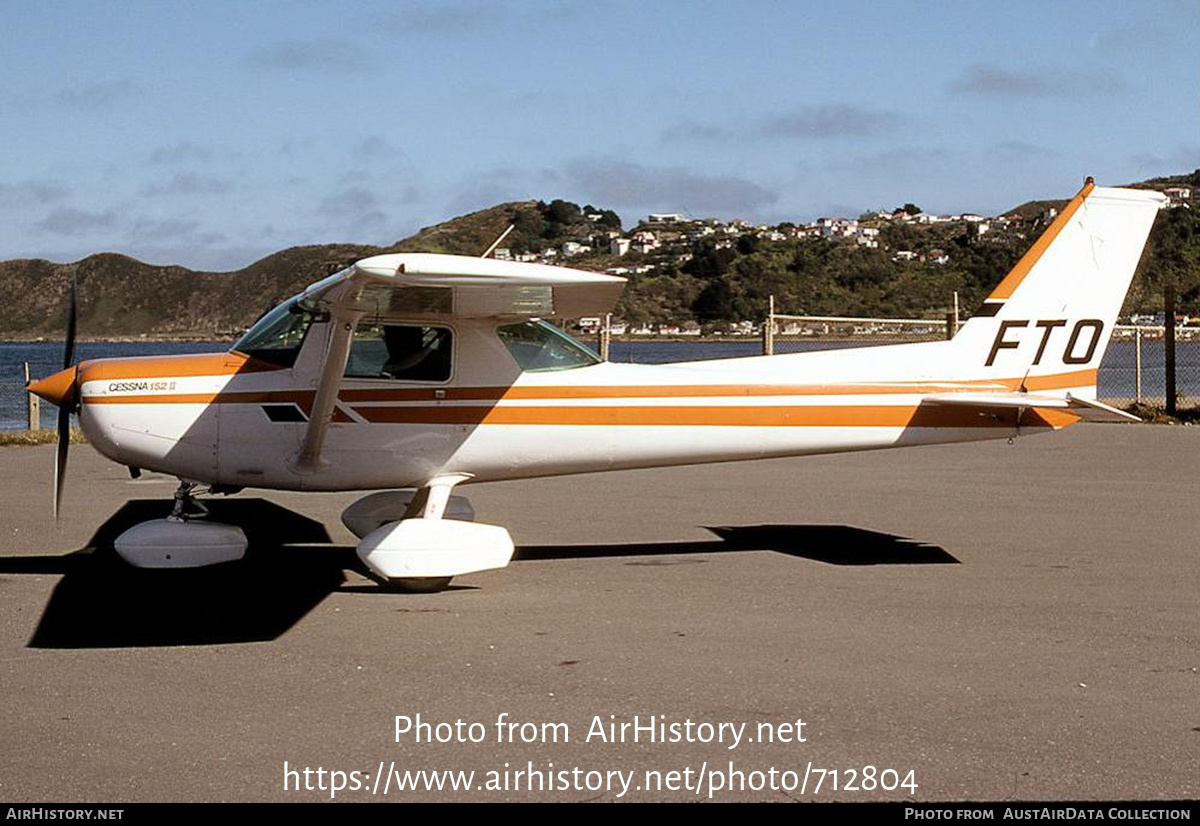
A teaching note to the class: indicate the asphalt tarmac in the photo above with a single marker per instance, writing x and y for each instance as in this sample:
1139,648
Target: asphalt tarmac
976,622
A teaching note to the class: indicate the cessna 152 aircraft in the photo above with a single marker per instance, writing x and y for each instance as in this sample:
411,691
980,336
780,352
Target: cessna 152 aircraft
414,373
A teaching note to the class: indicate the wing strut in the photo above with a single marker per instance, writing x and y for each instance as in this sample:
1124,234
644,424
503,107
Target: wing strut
496,243
345,316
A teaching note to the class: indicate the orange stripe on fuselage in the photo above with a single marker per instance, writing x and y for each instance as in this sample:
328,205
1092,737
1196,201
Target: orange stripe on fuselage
766,416
1017,274
181,366
864,415
1058,381
1078,378
303,398
669,391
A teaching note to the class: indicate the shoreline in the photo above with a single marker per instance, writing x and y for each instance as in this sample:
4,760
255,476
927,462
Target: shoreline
119,339
709,339
1181,334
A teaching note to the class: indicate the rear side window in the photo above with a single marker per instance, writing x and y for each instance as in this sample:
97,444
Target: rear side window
402,352
540,347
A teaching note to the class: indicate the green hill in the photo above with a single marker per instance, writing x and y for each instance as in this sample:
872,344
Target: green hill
121,297
688,277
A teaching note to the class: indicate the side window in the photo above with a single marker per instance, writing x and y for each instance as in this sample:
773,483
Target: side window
540,347
397,351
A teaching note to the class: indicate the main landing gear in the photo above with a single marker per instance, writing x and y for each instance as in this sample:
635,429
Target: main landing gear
419,540
414,539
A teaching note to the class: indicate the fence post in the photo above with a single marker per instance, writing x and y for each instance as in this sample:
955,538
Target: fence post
605,336
768,333
1169,345
35,410
1137,362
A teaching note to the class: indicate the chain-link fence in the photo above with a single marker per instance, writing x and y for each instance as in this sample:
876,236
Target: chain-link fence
793,334
1134,370
1138,366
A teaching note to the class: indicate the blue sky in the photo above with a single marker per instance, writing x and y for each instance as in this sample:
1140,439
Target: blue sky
212,133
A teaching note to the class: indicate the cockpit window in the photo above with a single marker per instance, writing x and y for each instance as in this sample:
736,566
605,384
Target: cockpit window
277,336
398,351
541,347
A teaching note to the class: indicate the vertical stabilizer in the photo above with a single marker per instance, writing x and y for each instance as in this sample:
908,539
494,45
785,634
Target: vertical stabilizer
1051,317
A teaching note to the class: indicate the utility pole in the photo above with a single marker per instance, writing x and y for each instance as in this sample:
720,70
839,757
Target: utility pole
1169,345
605,336
768,331
35,414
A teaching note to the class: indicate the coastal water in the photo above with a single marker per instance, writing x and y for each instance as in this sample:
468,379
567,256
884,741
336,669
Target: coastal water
46,358
1117,379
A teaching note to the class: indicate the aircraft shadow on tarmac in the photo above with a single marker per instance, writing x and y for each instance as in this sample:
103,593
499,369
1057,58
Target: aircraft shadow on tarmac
833,544
101,602
291,566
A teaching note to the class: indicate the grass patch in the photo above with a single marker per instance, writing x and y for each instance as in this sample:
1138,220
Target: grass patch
9,438
1154,414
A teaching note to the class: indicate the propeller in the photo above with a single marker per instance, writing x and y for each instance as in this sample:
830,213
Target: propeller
62,390
70,403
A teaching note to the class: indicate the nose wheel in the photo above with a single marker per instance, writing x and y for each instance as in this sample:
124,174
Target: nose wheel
420,584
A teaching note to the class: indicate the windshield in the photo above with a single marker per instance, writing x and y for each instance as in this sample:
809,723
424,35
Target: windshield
540,347
277,336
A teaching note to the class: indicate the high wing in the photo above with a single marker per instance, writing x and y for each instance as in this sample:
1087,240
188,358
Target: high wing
445,285
475,287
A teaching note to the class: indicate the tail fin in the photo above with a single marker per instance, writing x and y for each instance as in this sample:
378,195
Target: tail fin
1050,319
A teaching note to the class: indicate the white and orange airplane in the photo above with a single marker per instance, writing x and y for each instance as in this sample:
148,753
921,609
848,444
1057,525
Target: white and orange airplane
413,373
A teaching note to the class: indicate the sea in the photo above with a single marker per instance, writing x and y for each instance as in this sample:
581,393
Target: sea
1117,378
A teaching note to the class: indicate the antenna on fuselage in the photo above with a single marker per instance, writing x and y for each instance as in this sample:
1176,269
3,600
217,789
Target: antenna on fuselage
496,243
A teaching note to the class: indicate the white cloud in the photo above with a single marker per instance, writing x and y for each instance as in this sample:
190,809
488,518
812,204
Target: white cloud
189,183
608,181
990,81
74,222
320,55
98,95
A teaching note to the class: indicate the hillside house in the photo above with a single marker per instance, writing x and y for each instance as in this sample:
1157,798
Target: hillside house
1178,196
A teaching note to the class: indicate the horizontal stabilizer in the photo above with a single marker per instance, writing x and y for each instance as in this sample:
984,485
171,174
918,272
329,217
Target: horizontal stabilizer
1094,411
1086,409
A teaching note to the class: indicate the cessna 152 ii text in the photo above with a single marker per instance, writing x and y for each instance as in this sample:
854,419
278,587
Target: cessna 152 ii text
413,373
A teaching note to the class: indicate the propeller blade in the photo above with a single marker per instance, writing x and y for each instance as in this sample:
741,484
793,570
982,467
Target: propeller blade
69,350
60,459
65,406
